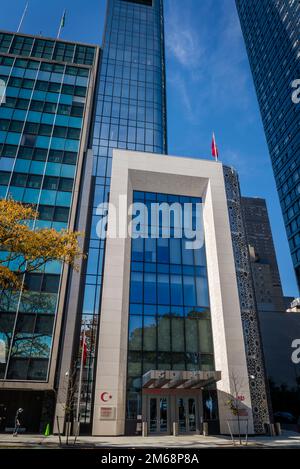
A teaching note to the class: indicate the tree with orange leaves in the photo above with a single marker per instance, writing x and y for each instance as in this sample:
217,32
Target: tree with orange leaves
30,249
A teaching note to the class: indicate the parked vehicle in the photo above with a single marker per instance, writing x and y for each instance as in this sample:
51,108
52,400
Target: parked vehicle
285,418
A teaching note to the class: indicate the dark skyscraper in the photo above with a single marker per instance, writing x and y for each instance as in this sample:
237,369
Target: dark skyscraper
271,30
267,283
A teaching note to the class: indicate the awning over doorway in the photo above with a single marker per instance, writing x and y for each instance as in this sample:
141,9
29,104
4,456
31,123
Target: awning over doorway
159,379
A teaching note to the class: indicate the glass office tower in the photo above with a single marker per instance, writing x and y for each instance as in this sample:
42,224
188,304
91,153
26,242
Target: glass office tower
271,30
43,134
130,113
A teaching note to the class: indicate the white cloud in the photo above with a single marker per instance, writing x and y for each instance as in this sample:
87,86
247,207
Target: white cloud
244,162
208,64
181,90
182,41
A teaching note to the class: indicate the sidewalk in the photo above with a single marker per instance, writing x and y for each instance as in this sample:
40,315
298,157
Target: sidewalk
287,440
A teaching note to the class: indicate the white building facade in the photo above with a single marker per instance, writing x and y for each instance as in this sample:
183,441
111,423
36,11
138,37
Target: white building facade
172,364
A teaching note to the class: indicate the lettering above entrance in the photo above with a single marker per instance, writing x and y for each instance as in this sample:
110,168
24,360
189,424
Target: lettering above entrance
179,379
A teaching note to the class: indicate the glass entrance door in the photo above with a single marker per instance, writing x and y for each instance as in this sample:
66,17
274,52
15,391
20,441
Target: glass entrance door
186,414
158,415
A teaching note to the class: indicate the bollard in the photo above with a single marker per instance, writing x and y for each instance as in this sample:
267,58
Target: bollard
205,429
277,429
144,429
270,429
175,429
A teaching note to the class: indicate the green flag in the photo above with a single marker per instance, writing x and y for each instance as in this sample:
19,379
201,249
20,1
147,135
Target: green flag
63,20
62,24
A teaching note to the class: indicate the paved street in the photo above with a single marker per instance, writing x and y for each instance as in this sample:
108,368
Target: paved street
288,439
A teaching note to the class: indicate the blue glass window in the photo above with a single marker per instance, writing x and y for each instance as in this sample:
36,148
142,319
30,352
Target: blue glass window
189,290
150,288
163,289
163,250
175,251
135,332
202,289
176,290
137,249
187,254
150,250
136,287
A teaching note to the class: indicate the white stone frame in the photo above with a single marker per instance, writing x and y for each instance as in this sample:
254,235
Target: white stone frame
183,176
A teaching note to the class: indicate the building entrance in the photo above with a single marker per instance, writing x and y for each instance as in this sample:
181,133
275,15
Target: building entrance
162,411
187,413
158,415
172,401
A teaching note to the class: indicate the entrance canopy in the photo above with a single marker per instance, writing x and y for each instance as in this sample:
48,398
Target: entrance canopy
159,379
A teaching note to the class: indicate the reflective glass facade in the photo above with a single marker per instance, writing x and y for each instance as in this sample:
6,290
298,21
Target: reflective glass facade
50,49
169,317
271,30
41,125
130,113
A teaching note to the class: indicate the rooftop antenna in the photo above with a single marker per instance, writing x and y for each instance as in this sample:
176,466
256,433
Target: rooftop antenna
62,23
23,16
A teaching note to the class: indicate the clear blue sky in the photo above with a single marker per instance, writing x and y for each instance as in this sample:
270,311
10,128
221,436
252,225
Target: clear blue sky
209,87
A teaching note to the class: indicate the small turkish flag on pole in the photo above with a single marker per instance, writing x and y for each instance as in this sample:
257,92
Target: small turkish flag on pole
82,365
214,148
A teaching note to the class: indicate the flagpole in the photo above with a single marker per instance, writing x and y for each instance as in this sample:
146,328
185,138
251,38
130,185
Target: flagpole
61,24
23,16
80,375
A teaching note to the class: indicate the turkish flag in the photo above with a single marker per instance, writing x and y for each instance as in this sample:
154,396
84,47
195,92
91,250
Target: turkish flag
214,148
